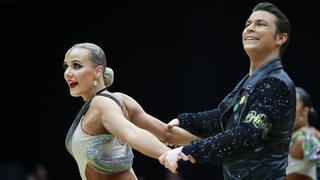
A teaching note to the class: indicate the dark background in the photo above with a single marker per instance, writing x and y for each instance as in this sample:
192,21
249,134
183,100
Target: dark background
171,56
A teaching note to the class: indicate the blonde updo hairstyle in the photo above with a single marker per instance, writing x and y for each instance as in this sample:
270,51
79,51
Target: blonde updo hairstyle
98,58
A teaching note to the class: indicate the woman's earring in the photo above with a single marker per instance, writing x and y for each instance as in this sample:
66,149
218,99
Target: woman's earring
95,82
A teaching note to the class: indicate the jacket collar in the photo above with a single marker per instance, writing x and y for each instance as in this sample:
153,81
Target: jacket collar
249,81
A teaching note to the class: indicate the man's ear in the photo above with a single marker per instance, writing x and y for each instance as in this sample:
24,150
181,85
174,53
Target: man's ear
282,38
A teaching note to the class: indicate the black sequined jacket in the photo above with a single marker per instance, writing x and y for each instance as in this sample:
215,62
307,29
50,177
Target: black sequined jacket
250,131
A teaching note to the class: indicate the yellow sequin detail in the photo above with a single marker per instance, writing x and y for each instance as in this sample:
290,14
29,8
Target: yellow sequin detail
243,98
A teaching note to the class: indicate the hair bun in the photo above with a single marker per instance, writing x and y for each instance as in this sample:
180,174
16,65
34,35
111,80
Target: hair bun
108,76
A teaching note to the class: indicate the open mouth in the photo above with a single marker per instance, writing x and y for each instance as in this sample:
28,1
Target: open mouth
72,85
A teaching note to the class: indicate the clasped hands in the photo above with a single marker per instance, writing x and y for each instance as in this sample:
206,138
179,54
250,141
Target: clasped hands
170,159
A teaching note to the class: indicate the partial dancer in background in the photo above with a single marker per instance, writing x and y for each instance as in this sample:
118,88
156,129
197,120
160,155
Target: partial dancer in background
249,132
305,146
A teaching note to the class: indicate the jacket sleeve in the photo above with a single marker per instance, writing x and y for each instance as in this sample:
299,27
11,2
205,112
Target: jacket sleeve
203,124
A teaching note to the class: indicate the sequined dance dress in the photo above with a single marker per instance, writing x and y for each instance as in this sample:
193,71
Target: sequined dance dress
104,153
308,165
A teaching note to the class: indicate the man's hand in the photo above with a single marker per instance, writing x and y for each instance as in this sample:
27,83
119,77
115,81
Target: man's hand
173,122
170,159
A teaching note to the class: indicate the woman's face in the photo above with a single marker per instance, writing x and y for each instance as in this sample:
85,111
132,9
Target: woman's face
79,73
300,115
